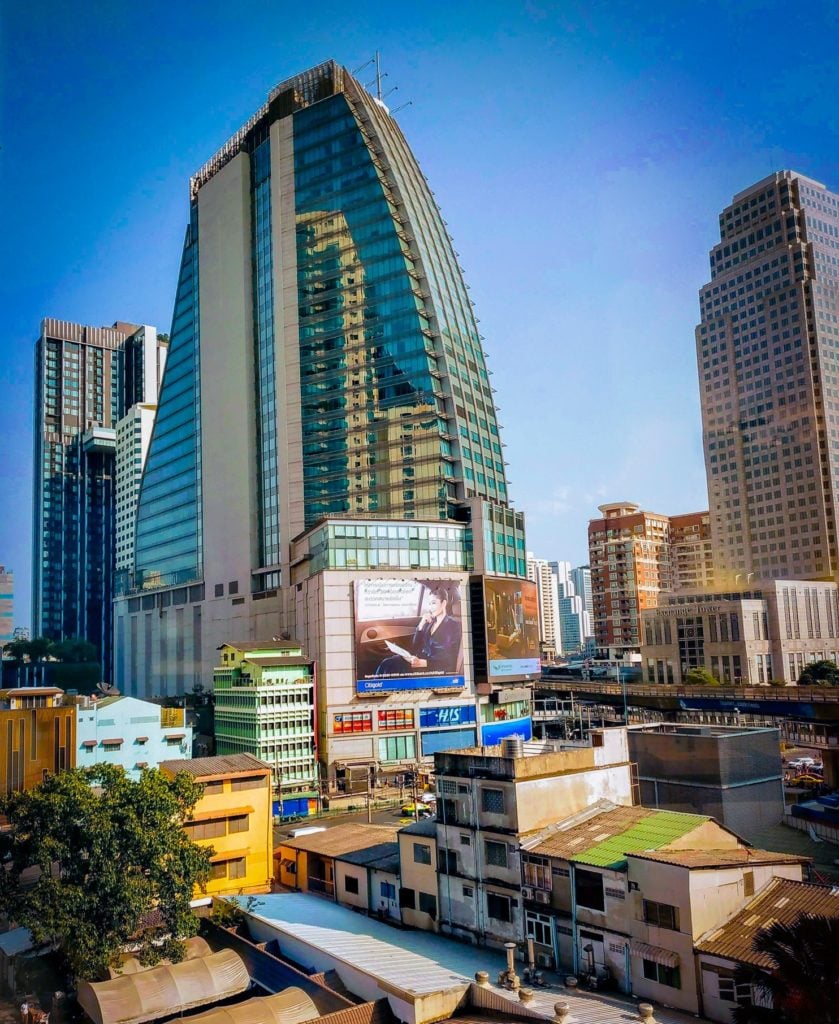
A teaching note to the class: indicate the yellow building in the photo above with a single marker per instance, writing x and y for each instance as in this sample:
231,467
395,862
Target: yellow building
233,816
37,736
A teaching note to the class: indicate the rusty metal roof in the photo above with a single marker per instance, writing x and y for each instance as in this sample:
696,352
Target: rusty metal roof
222,765
782,900
699,859
344,839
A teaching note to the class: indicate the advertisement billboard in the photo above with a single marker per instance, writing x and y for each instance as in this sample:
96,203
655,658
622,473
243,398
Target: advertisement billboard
408,635
511,611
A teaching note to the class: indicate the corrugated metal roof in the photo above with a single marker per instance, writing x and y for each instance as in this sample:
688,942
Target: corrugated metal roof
650,833
352,838
782,900
277,660
262,645
698,859
229,764
423,827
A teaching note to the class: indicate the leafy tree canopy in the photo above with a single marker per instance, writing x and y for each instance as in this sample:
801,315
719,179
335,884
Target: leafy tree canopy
701,677
75,650
804,982
39,648
115,865
820,673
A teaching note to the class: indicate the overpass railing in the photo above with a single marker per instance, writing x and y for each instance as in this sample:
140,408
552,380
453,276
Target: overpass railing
805,694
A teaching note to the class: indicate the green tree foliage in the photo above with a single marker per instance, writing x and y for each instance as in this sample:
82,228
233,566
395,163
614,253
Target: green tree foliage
803,984
701,677
75,651
820,673
115,865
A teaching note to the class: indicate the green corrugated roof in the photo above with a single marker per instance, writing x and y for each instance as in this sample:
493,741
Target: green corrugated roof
659,829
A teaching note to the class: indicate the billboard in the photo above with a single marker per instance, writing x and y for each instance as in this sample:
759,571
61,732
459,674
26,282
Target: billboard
408,635
511,613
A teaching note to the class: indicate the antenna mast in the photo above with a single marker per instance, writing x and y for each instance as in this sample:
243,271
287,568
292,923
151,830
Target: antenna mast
378,77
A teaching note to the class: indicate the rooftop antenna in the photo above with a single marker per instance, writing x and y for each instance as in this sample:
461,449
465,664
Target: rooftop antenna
378,77
410,103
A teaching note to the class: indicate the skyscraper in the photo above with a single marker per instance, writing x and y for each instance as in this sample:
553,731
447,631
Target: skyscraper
539,571
7,605
768,357
85,379
325,361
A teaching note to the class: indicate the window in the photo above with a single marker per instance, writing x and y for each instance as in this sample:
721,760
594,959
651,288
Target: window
422,853
447,861
492,801
397,748
468,892
495,853
538,928
588,888
238,824
387,890
351,885
662,915
218,871
428,904
254,782
408,899
211,788
206,829
537,872
237,868
465,839
663,974
748,883
499,907
731,992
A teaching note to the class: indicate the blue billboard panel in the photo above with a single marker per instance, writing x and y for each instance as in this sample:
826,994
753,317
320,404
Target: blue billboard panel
408,635
493,733
385,684
447,739
436,718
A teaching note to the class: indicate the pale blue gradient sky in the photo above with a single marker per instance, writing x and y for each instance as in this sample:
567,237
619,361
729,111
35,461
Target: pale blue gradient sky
580,151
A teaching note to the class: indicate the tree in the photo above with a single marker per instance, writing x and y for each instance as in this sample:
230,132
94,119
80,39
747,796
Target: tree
701,677
111,851
820,673
75,650
803,981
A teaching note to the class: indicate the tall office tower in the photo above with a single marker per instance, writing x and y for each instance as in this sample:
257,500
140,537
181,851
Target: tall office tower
133,435
539,571
7,605
325,361
691,552
629,555
85,379
769,382
574,620
581,578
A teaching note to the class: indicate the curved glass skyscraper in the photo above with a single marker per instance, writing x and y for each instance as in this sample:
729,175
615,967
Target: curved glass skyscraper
324,357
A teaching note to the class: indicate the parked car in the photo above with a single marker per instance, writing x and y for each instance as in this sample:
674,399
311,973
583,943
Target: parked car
409,810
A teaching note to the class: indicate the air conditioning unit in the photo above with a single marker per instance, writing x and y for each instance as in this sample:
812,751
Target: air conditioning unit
526,893
544,960
542,896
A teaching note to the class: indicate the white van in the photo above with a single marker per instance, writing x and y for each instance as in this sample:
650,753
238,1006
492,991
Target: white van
308,831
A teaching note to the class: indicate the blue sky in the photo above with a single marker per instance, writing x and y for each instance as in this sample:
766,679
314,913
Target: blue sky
580,152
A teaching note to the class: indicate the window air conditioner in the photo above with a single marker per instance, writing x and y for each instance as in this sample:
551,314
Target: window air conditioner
527,893
542,896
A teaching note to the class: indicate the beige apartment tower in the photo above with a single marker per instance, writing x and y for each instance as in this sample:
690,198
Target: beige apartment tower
767,349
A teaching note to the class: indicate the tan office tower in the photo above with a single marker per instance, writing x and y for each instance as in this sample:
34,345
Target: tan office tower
768,358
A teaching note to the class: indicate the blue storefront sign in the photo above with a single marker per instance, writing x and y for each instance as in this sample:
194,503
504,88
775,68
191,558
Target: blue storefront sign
384,684
440,718
492,733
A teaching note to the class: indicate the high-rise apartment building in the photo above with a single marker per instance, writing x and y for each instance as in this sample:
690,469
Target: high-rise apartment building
581,578
326,457
539,571
629,555
85,379
133,434
768,358
7,605
691,551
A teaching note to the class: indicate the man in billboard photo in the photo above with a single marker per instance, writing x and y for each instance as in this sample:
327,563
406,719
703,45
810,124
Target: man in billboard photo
435,645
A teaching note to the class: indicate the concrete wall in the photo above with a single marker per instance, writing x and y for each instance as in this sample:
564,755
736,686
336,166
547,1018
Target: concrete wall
137,724
419,878
344,871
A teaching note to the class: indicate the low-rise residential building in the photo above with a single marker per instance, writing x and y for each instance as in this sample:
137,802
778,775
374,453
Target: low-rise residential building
418,875
133,733
488,798
725,948
770,631
732,773
355,864
37,736
622,893
233,816
265,706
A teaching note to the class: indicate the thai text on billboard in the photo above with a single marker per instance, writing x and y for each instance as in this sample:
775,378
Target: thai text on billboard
408,635
512,626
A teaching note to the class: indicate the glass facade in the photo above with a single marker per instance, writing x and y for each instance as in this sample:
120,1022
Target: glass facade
384,545
168,546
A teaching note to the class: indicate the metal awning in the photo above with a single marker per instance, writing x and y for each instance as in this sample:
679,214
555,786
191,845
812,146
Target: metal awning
659,955
88,743
115,742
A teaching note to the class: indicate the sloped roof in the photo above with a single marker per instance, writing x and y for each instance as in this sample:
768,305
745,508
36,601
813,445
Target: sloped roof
205,767
340,840
262,645
781,900
605,839
699,859
277,660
